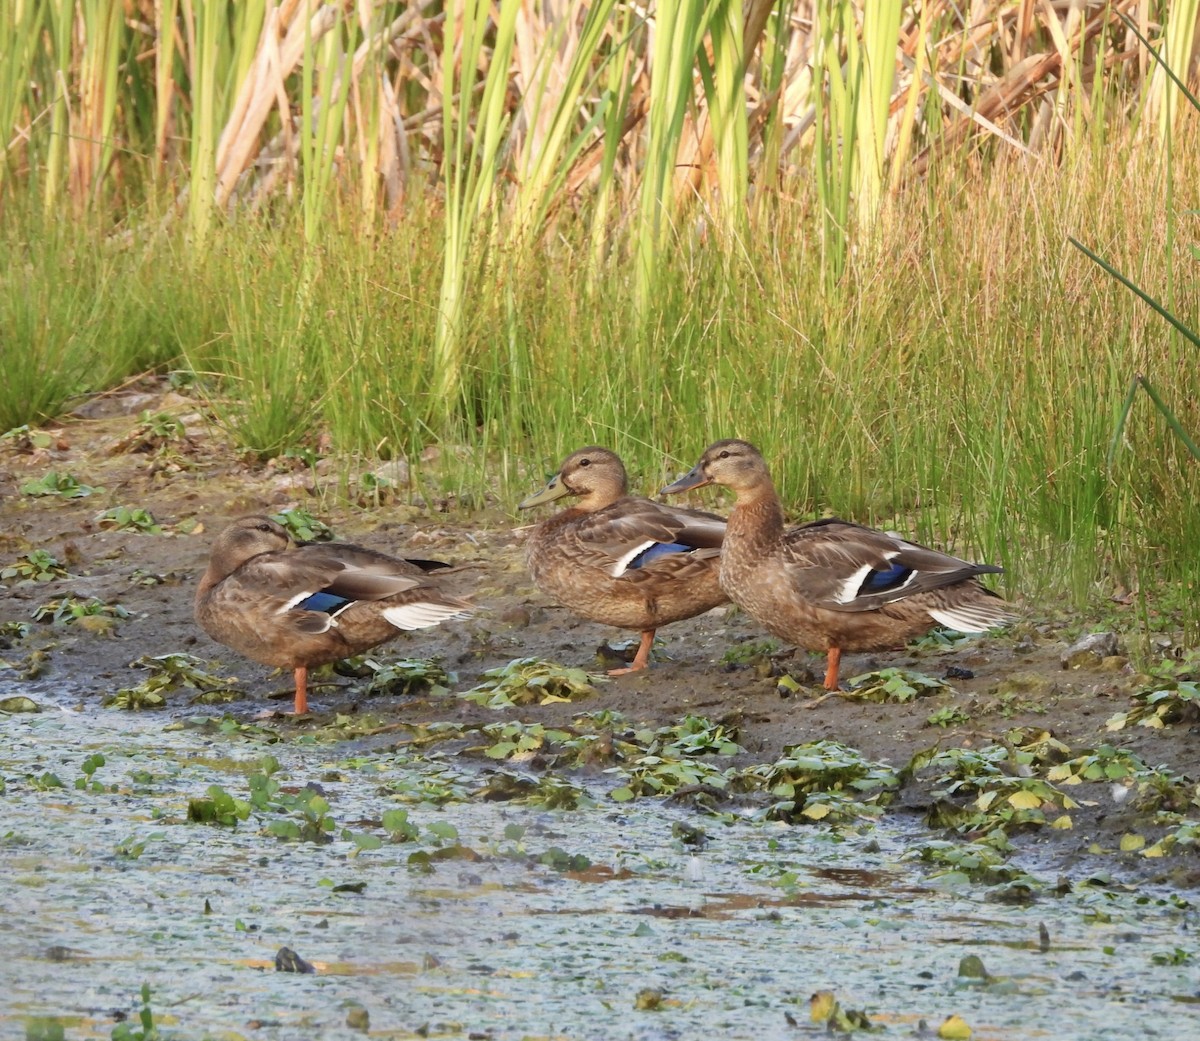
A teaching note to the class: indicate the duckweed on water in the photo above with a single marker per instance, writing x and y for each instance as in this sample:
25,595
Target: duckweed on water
485,905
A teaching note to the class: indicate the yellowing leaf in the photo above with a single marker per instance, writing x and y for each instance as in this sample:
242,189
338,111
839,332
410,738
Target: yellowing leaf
1117,722
1069,803
1156,850
821,1006
1025,800
955,1029
1063,823
1131,841
985,800
1153,722
817,812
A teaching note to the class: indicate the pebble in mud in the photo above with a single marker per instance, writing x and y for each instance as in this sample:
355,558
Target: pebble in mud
287,960
1090,650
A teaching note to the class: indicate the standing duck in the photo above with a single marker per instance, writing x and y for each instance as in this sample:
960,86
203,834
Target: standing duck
623,561
297,606
831,585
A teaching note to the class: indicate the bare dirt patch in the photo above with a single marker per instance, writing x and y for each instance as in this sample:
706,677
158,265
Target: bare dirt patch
194,486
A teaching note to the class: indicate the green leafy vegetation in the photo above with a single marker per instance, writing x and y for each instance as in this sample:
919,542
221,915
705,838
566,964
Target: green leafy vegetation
406,676
38,565
1161,705
144,1029
12,630
64,485
69,609
949,716
169,672
303,526
750,652
895,685
126,518
305,811
530,681
822,781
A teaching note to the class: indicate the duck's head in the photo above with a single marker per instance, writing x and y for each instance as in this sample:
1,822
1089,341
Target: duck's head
595,475
735,464
245,538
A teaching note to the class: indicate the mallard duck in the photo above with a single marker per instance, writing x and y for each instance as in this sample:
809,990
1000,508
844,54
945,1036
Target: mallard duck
831,585
623,561
296,606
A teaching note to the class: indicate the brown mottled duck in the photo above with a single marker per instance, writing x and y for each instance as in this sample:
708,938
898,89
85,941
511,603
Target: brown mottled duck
299,605
831,585
620,560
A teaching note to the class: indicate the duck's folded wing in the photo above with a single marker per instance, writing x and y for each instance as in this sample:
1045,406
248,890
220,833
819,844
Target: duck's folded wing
845,567
299,574
634,533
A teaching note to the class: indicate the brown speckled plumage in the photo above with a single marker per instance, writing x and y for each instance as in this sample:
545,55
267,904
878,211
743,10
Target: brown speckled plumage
254,597
831,585
619,560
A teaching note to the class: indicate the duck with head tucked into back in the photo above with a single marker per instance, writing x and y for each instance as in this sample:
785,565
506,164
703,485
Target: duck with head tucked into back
831,585
299,605
619,560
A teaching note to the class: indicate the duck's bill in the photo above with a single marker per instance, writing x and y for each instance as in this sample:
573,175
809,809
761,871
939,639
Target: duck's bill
554,490
694,478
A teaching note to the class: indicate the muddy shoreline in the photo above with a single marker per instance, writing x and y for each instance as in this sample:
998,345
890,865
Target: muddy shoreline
193,486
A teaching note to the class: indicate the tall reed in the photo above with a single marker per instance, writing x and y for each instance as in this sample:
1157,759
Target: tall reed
472,133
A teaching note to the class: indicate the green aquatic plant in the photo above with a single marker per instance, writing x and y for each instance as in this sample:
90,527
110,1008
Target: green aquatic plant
64,485
218,807
948,716
970,862
408,676
894,685
129,518
38,565
1160,705
69,609
133,846
531,681
547,791
821,780
307,810
517,740
155,432
144,1030
168,672
303,526
649,775
691,736
86,782
1001,782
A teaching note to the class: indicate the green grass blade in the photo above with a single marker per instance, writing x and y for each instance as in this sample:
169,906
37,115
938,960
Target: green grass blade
1169,416
1187,332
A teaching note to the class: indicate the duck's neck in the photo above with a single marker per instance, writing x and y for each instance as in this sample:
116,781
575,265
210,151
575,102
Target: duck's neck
756,522
599,499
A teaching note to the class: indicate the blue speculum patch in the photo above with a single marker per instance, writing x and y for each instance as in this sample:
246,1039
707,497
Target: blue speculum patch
883,581
322,601
657,550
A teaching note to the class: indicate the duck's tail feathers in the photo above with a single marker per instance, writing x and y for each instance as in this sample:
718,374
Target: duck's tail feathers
976,616
421,614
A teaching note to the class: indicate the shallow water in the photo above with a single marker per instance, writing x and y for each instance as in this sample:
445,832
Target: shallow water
504,947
